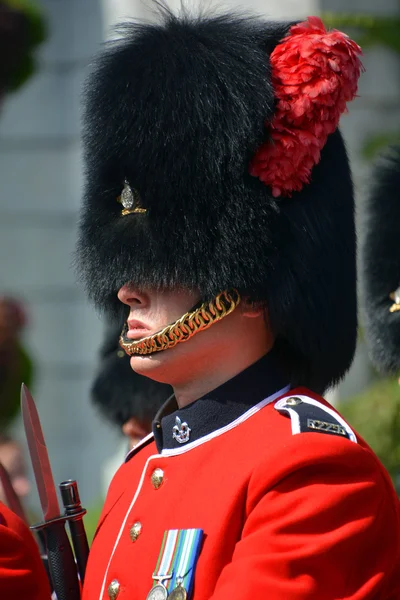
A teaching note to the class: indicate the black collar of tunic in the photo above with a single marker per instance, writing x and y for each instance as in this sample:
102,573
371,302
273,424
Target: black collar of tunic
223,405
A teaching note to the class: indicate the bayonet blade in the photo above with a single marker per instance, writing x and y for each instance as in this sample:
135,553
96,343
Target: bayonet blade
39,456
10,494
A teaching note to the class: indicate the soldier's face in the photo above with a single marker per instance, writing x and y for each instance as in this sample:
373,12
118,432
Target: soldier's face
151,311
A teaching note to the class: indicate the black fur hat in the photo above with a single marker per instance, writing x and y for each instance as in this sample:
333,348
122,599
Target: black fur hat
118,392
178,108
381,263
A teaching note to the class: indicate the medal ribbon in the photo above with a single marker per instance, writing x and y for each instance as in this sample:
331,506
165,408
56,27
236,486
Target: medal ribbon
164,562
179,552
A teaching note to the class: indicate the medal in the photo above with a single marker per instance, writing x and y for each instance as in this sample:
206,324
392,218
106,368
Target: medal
179,593
159,592
173,576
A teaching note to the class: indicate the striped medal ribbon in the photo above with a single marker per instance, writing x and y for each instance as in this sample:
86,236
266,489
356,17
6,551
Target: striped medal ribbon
174,573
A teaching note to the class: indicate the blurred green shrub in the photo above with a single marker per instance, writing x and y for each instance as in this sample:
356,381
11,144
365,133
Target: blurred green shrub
375,415
370,31
92,518
22,29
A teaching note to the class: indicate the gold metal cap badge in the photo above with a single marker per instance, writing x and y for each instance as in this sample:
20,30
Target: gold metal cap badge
130,200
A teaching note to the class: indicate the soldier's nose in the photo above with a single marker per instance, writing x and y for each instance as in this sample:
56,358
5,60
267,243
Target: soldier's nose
131,296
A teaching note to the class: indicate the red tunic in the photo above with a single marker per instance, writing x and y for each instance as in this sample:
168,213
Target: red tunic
287,513
22,575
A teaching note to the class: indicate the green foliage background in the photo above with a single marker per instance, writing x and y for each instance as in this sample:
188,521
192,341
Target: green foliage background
371,31
91,519
375,415
37,34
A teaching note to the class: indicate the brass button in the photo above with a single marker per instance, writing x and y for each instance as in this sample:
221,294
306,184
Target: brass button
293,401
135,531
113,589
157,478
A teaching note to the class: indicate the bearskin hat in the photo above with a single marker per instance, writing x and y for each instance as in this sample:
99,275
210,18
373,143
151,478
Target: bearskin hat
118,392
381,263
182,110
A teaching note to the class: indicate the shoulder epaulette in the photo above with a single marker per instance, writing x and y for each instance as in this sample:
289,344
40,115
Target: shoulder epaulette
308,415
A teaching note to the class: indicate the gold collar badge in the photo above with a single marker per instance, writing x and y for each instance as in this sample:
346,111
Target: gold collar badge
396,297
130,201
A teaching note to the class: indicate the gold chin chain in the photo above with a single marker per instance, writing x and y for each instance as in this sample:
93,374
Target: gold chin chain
184,328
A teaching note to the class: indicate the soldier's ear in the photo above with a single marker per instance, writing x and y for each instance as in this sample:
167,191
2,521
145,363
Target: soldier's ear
133,428
253,309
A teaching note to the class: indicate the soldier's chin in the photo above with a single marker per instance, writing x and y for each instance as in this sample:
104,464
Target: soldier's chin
152,365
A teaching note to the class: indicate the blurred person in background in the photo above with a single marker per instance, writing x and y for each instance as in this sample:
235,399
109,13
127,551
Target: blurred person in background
381,299
127,401
21,570
12,459
22,574
124,398
381,264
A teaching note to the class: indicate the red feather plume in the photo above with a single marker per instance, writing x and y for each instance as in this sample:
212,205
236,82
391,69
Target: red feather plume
314,74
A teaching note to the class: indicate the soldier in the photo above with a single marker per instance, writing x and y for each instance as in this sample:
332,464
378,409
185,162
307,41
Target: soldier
381,261
22,574
219,209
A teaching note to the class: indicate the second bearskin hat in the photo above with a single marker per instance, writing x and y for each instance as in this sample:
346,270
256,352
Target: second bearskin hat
218,134
381,263
118,392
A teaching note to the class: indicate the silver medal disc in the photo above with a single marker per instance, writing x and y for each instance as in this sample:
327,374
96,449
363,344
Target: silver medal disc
158,592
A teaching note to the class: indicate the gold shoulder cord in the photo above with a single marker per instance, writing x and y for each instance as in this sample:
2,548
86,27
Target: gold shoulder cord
184,328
